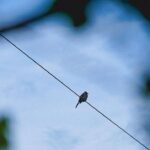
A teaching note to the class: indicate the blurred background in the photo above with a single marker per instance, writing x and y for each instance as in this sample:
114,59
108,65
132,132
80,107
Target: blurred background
101,46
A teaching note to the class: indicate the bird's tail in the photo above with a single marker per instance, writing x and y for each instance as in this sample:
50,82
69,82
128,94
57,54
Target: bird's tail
77,105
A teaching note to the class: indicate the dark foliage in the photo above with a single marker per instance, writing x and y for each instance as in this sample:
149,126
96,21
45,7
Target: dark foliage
146,85
75,9
143,6
4,127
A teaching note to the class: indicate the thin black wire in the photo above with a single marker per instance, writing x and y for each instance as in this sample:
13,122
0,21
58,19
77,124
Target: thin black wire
117,125
39,65
74,92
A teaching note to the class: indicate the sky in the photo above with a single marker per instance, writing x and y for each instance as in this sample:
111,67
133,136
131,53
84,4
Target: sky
104,59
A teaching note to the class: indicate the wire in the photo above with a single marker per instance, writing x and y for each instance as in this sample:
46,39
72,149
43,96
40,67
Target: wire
117,125
38,64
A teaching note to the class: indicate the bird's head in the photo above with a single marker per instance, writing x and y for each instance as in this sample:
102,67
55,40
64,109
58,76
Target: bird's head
86,92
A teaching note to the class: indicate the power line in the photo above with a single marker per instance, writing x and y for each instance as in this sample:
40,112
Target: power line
117,126
39,65
51,74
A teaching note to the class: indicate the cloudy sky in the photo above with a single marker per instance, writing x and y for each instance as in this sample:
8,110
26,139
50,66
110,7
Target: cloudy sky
104,58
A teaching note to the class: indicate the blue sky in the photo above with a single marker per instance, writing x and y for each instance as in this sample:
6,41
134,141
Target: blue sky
102,59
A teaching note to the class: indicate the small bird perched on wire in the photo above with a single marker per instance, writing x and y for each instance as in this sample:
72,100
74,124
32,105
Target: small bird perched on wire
83,97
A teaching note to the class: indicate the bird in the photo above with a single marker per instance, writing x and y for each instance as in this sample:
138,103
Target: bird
82,98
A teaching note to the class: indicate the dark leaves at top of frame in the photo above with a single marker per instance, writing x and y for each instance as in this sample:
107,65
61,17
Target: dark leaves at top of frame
143,6
75,9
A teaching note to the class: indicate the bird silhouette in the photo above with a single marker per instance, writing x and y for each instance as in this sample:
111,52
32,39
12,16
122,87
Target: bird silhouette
83,97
